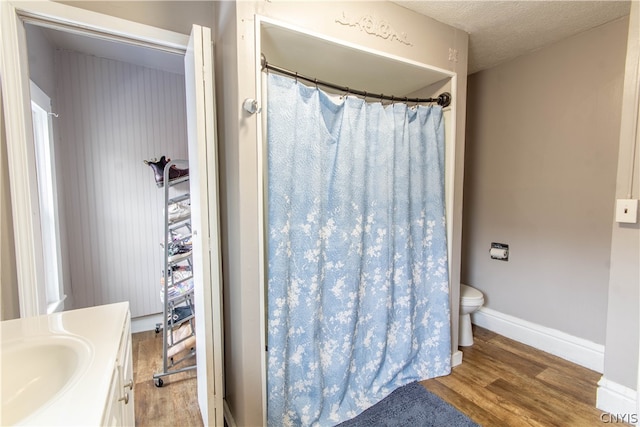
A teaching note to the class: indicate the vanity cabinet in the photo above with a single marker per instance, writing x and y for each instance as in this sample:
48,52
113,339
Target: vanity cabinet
74,368
114,415
119,409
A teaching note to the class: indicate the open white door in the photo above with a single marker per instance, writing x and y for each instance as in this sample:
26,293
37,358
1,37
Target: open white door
203,171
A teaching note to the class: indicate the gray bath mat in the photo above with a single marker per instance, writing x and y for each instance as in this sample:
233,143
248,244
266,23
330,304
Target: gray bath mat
411,406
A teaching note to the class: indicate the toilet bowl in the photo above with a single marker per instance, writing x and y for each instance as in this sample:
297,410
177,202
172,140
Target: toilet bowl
471,300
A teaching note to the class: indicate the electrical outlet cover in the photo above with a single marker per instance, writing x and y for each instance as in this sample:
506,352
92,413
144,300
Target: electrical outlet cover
627,211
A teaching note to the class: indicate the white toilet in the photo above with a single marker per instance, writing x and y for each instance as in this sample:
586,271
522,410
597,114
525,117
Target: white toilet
471,299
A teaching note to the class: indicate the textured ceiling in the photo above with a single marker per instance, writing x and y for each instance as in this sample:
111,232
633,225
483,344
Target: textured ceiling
502,30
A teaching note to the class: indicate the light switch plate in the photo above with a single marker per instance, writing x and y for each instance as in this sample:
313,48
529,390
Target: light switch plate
627,211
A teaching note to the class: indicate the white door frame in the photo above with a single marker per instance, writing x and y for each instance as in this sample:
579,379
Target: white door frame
21,157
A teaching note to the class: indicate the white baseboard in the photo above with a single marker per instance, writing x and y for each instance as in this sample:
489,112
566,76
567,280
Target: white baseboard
456,358
616,399
145,323
577,350
228,416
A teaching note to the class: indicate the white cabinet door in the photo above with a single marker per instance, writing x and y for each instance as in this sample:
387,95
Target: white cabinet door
125,366
119,408
113,409
203,172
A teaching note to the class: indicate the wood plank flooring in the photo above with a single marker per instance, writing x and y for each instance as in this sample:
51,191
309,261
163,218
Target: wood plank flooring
500,383
175,403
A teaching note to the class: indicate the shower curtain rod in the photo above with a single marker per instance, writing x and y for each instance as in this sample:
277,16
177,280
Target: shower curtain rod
443,100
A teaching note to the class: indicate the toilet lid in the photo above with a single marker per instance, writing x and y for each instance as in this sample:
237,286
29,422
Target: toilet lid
469,294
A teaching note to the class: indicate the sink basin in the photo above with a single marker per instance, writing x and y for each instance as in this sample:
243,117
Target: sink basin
37,370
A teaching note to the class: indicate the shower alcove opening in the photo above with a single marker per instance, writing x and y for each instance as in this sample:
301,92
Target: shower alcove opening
361,68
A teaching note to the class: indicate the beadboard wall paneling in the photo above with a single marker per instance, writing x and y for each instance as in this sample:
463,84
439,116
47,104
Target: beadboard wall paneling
114,115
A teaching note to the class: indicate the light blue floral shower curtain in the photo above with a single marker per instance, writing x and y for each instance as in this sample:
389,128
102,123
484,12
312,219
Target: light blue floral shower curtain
358,295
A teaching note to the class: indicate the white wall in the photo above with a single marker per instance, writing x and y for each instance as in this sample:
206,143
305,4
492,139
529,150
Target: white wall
10,308
623,329
114,115
177,15
41,62
239,150
242,365
542,149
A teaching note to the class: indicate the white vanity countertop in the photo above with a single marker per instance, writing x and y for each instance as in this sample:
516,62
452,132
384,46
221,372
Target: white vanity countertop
83,401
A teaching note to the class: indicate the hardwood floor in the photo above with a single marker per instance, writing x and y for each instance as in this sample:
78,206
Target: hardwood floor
500,383
173,404
504,383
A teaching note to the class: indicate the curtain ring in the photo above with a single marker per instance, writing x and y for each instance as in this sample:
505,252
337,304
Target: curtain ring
296,77
365,96
316,82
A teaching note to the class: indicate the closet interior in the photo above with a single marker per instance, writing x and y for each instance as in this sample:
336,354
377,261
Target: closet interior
114,105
